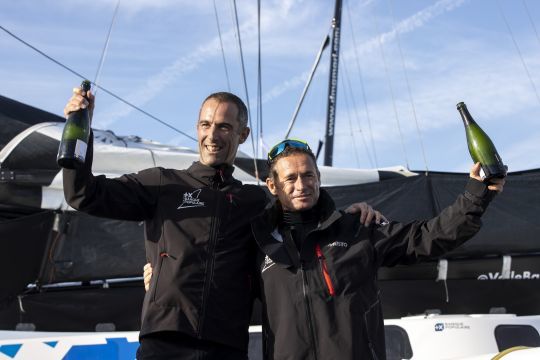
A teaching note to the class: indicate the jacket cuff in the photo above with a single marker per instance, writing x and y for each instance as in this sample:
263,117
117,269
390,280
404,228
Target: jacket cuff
478,190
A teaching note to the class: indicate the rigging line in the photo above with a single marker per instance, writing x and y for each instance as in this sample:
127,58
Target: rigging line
145,112
246,90
346,75
413,107
359,69
96,85
390,87
531,20
222,49
259,81
351,132
518,50
105,47
324,45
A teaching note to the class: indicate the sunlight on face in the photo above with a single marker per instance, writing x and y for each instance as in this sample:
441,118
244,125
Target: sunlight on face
218,133
297,184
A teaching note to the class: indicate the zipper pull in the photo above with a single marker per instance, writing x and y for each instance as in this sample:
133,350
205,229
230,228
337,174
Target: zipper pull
324,268
220,172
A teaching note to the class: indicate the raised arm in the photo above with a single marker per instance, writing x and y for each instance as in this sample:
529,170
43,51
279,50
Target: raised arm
129,197
457,223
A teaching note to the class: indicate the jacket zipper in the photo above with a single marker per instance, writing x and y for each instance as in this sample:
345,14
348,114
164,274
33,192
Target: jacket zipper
370,343
308,311
214,223
154,290
324,270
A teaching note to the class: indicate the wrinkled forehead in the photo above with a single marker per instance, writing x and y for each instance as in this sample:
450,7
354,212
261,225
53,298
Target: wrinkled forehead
213,109
296,162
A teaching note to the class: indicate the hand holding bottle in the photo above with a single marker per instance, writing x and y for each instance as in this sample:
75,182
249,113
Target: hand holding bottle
80,100
495,184
75,137
481,147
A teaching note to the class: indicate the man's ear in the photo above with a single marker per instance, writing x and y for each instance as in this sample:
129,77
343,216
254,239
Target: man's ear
244,135
271,186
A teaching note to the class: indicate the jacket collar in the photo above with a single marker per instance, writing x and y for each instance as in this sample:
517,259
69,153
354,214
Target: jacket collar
325,206
327,210
273,244
209,175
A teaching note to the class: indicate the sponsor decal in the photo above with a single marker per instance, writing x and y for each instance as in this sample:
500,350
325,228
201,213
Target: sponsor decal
513,276
338,244
268,263
451,326
94,348
191,199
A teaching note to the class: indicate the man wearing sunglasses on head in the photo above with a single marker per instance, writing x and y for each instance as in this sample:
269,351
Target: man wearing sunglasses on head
318,266
198,236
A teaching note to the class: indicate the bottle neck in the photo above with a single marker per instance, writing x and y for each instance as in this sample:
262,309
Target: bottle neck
466,116
85,86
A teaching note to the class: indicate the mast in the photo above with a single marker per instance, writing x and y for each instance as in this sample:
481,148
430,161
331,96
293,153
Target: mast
332,86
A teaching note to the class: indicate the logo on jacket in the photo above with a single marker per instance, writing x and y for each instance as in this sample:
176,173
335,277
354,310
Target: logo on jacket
268,263
191,199
338,244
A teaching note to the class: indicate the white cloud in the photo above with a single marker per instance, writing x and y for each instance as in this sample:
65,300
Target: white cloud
133,7
276,91
411,23
522,155
155,84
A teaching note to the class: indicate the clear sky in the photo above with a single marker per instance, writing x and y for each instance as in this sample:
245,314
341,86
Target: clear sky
165,57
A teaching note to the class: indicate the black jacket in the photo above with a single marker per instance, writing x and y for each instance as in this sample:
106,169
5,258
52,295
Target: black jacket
322,302
198,240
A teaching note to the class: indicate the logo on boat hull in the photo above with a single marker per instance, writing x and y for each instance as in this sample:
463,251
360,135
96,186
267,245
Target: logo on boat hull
513,276
451,325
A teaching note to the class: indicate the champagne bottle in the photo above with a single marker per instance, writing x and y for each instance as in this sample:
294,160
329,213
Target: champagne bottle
72,150
481,147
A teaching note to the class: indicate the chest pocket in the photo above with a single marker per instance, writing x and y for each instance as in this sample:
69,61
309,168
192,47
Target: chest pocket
351,265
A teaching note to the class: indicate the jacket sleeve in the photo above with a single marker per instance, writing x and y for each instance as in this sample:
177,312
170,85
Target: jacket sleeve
129,197
408,243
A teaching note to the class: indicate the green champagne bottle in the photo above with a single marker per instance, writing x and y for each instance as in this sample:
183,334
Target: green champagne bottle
72,149
481,147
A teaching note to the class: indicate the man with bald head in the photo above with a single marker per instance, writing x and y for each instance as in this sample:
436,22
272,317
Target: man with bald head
197,236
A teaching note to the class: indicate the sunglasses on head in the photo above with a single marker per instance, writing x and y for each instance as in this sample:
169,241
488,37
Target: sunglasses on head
280,147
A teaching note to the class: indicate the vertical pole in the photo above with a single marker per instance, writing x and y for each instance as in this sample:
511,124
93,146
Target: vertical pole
332,86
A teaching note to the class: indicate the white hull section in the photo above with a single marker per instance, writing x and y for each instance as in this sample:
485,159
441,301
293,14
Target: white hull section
433,337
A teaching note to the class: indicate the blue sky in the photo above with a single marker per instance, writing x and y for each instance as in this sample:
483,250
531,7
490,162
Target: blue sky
164,56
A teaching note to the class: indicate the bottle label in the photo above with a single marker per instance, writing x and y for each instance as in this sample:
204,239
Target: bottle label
482,173
80,150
